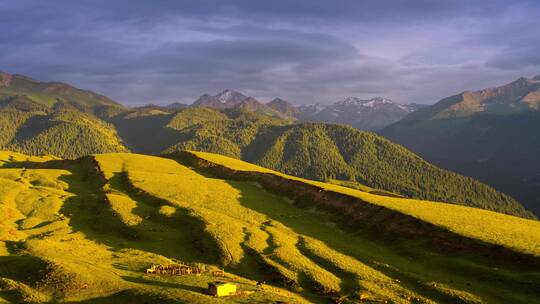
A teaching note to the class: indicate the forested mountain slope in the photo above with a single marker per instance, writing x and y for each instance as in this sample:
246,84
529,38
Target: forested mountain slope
62,131
490,134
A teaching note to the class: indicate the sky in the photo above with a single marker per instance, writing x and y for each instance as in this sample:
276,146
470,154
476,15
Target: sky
306,51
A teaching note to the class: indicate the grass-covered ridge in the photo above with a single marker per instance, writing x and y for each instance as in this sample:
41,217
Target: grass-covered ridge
84,231
505,230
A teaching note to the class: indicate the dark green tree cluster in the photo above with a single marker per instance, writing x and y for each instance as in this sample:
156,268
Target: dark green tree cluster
63,133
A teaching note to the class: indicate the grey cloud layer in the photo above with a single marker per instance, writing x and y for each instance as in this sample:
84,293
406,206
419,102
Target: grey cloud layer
307,51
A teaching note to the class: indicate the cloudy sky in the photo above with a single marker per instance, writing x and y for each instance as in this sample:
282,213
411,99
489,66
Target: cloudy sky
307,51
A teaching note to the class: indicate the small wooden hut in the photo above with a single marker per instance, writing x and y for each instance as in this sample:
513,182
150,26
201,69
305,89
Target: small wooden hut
221,289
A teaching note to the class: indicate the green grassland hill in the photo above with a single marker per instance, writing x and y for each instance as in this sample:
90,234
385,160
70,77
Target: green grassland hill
85,230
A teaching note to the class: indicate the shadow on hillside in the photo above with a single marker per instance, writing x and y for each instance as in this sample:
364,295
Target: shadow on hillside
164,284
349,280
131,296
90,212
196,242
51,164
33,126
24,268
146,134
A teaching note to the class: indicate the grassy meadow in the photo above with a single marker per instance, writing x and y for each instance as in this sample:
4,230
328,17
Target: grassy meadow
520,234
84,231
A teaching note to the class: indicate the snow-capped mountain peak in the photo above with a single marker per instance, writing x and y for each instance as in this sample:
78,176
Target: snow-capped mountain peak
311,109
411,107
230,96
365,102
224,96
371,114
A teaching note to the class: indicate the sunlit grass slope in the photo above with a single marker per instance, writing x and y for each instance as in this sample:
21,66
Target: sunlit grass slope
247,241
513,232
85,230
7,157
63,239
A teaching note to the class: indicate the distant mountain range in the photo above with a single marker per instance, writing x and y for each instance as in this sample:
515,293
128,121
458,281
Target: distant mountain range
491,134
230,99
364,114
53,118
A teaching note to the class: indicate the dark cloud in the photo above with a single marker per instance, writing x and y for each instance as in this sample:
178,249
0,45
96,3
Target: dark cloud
517,58
306,50
284,10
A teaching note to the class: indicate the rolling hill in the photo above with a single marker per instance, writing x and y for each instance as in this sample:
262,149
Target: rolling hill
62,130
55,118
247,130
86,230
51,93
489,134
